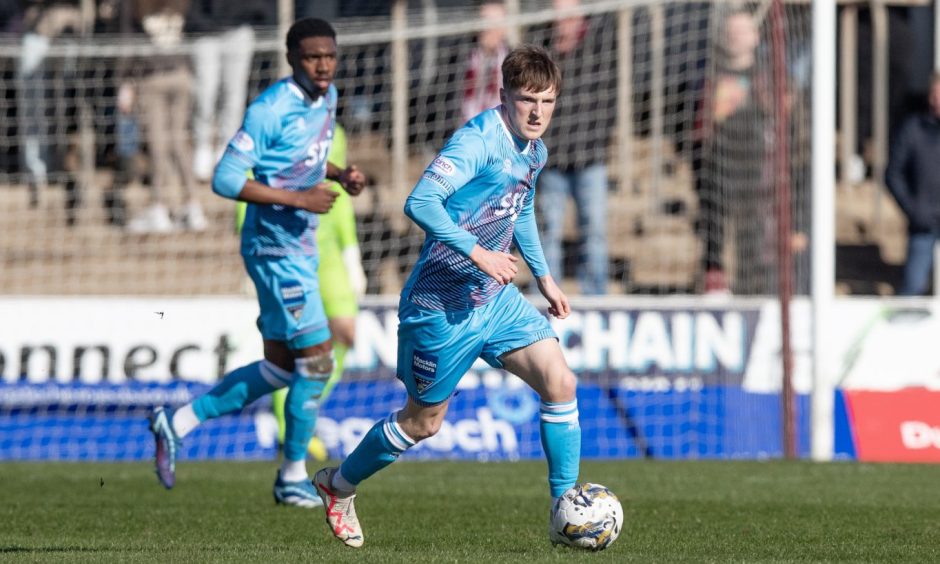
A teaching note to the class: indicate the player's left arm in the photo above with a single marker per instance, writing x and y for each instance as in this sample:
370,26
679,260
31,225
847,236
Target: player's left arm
558,305
526,236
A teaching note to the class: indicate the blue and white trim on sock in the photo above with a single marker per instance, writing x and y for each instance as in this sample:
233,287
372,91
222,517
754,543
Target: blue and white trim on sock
274,375
395,435
558,412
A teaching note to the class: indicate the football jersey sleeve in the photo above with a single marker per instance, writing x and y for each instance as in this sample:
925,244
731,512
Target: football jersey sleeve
526,235
245,150
459,161
462,158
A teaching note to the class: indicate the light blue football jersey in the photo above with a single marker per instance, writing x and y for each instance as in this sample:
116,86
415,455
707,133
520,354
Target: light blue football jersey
284,141
484,181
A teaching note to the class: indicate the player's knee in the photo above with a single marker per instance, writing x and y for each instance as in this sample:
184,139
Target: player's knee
318,366
562,387
569,386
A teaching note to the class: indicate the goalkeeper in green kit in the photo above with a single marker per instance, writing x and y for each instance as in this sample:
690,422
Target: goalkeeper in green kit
342,282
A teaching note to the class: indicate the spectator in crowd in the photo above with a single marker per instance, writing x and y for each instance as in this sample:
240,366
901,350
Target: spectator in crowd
222,55
125,152
163,86
11,22
583,124
482,79
44,104
913,176
729,158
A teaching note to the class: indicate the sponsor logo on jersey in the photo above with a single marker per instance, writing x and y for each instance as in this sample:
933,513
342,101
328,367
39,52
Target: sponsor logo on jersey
443,165
243,142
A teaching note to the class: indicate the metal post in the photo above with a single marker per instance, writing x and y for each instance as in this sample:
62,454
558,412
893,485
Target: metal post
625,99
87,10
824,219
848,95
781,185
429,59
657,93
936,270
879,19
936,68
86,127
285,17
513,33
936,35
399,97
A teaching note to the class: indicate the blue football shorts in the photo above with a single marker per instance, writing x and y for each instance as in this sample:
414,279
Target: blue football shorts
436,348
289,297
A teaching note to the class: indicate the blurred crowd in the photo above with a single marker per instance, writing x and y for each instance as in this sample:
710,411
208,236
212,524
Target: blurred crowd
165,118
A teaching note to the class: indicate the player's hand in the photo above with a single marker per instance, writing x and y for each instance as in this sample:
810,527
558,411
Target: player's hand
558,305
353,180
500,266
318,199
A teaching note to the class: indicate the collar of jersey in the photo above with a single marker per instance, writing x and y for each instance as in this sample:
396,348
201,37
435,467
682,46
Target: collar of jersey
302,94
508,133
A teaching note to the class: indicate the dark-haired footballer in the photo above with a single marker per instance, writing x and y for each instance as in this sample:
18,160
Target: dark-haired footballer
283,142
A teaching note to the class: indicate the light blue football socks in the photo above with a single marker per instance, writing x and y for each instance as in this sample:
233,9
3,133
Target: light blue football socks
240,388
561,440
381,446
301,408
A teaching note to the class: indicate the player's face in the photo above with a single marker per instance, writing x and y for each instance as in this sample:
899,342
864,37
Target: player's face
528,112
314,63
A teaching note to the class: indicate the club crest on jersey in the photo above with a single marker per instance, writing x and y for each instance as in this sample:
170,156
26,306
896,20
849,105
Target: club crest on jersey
444,166
243,142
507,166
424,369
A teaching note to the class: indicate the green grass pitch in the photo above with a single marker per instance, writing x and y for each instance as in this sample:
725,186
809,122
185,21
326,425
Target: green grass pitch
472,512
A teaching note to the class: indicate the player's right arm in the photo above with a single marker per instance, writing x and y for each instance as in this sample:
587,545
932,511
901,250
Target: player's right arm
258,132
318,199
459,161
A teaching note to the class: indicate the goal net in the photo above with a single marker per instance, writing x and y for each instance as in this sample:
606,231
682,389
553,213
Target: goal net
692,117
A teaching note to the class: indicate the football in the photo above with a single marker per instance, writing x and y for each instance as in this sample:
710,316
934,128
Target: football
587,516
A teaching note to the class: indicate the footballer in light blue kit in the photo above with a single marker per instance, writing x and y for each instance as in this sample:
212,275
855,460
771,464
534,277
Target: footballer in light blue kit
474,201
283,142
